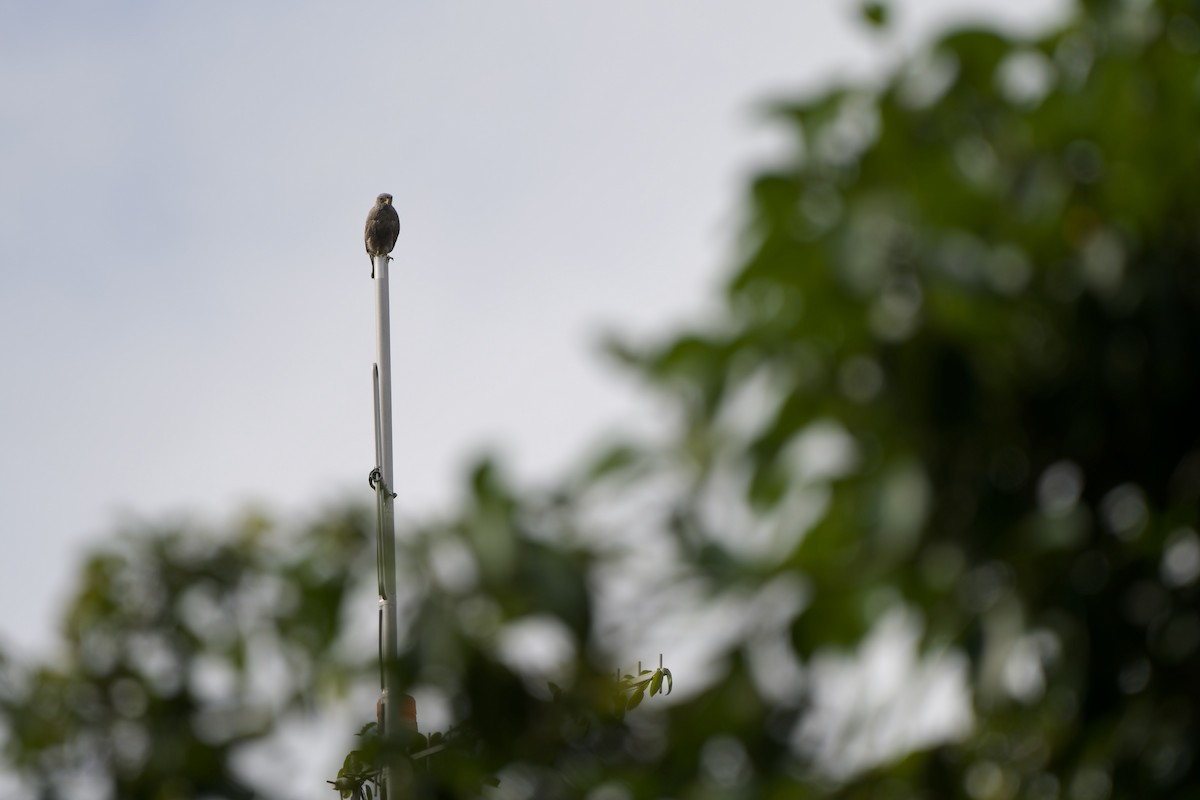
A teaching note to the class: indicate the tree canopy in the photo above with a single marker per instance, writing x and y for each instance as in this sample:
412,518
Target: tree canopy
952,391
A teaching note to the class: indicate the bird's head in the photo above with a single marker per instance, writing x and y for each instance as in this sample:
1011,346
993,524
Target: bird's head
384,199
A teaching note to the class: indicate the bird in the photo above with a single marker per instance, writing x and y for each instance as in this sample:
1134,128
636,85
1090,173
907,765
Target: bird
383,226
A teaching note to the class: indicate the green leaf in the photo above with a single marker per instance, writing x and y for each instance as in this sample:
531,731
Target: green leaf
875,13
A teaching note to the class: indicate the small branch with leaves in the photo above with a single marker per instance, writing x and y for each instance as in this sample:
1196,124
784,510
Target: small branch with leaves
632,688
361,775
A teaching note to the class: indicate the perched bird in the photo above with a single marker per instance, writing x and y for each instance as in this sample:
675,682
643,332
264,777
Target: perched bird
383,226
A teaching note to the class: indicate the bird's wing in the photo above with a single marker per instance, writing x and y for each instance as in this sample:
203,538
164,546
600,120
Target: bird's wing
372,222
391,228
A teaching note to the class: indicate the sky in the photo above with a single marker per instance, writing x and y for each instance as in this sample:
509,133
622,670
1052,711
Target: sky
186,315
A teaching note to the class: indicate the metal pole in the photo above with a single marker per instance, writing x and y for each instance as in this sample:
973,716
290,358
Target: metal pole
378,431
389,644
383,342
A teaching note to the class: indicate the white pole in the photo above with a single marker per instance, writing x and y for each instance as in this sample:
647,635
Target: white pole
378,432
390,650
384,350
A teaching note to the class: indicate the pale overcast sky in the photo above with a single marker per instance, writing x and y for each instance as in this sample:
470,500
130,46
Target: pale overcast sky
185,308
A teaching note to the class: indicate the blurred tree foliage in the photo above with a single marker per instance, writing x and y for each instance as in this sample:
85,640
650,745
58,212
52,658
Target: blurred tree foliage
181,646
955,378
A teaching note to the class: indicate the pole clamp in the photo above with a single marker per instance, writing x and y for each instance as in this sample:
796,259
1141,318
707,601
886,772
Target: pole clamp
376,482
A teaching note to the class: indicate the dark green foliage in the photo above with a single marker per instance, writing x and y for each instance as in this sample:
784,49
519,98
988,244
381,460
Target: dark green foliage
167,645
987,277
875,13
